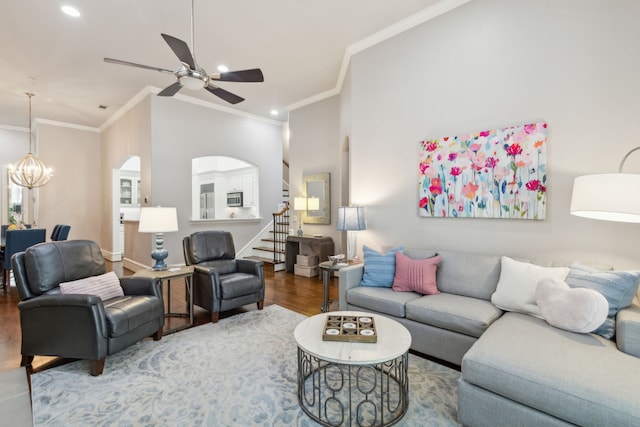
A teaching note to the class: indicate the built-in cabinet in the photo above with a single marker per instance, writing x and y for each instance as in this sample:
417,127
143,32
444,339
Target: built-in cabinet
130,191
244,182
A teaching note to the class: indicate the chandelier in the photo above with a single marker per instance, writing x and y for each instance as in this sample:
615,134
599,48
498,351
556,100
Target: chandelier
30,172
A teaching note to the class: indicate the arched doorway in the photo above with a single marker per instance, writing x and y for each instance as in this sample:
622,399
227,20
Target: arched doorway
125,201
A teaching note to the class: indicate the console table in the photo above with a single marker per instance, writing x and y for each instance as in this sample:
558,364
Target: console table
322,247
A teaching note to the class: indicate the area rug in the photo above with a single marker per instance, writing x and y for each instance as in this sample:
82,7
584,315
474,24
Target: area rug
240,371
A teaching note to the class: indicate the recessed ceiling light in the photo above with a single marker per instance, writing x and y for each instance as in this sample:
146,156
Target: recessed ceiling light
70,10
274,112
223,68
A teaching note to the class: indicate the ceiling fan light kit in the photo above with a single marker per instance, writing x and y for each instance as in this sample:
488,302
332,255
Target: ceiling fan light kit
191,76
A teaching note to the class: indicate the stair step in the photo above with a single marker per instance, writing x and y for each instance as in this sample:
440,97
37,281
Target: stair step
269,264
267,249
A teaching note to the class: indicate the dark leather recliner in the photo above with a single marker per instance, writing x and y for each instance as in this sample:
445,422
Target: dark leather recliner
222,282
80,326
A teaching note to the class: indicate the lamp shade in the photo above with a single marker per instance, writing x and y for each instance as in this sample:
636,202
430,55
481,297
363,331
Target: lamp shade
313,204
610,197
351,218
158,220
300,204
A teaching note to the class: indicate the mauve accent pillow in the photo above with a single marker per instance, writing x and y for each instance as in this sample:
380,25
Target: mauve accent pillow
106,286
416,275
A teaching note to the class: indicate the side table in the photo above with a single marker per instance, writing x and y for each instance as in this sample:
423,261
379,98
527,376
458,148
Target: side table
168,274
327,269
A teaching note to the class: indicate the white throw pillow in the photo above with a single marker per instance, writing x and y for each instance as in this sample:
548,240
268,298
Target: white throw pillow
106,286
516,290
574,309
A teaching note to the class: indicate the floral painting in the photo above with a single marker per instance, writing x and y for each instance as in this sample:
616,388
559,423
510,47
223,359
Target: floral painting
490,174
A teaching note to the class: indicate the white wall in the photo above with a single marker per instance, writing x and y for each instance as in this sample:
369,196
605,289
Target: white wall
486,65
74,194
129,136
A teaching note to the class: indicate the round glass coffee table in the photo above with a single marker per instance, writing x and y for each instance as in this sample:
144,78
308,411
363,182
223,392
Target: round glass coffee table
347,383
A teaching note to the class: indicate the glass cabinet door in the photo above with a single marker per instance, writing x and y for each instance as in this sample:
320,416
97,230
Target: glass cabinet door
126,190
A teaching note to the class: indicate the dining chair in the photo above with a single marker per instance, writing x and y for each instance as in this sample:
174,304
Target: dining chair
18,241
54,233
60,232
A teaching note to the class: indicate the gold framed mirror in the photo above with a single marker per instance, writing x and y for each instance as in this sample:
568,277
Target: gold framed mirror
318,185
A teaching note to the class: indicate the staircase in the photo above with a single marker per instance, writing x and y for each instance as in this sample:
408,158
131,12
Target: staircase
271,249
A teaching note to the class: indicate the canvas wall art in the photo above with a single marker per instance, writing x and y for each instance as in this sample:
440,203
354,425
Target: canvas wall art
490,174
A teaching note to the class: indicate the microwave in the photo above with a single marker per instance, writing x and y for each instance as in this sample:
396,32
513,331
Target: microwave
234,199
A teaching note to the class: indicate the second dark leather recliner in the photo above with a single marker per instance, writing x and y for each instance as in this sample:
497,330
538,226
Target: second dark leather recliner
222,282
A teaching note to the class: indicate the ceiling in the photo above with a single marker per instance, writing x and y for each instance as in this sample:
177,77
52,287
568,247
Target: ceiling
300,45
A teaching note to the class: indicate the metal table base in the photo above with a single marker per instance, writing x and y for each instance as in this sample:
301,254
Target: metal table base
353,395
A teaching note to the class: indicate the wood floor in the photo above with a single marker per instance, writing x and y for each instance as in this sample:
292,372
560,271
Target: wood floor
301,294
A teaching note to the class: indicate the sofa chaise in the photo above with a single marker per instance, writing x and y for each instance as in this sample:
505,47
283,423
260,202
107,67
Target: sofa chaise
516,368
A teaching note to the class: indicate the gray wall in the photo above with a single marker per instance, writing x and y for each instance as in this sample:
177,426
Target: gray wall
181,131
314,148
485,65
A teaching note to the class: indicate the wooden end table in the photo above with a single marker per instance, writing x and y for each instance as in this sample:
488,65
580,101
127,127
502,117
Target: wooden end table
168,274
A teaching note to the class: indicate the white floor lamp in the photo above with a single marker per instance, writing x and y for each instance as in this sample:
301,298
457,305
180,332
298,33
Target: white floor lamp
610,196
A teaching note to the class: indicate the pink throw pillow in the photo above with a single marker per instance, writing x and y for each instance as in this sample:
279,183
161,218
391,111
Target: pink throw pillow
416,275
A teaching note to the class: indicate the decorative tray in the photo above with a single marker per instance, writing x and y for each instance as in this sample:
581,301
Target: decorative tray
350,329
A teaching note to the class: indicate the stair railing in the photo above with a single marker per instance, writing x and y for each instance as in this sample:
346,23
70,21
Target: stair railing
280,233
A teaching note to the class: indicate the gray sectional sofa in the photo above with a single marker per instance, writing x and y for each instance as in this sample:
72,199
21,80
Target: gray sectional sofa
516,368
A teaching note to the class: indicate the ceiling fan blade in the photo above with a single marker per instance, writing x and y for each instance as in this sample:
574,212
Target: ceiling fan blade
251,76
133,64
231,98
170,90
181,49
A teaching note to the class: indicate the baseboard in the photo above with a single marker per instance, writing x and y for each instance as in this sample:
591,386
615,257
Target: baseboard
111,256
132,265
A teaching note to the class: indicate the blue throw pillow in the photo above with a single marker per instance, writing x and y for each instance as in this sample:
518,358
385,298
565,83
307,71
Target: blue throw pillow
618,287
379,269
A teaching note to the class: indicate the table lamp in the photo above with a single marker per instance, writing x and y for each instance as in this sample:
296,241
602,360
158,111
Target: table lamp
299,205
351,219
158,220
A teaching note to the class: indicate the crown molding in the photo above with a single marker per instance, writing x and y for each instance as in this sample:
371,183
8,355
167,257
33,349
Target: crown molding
37,122
406,24
152,90
14,128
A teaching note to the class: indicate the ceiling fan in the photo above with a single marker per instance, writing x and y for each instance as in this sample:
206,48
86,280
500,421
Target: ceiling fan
193,76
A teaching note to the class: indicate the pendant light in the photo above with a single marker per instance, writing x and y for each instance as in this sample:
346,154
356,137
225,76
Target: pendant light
30,172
